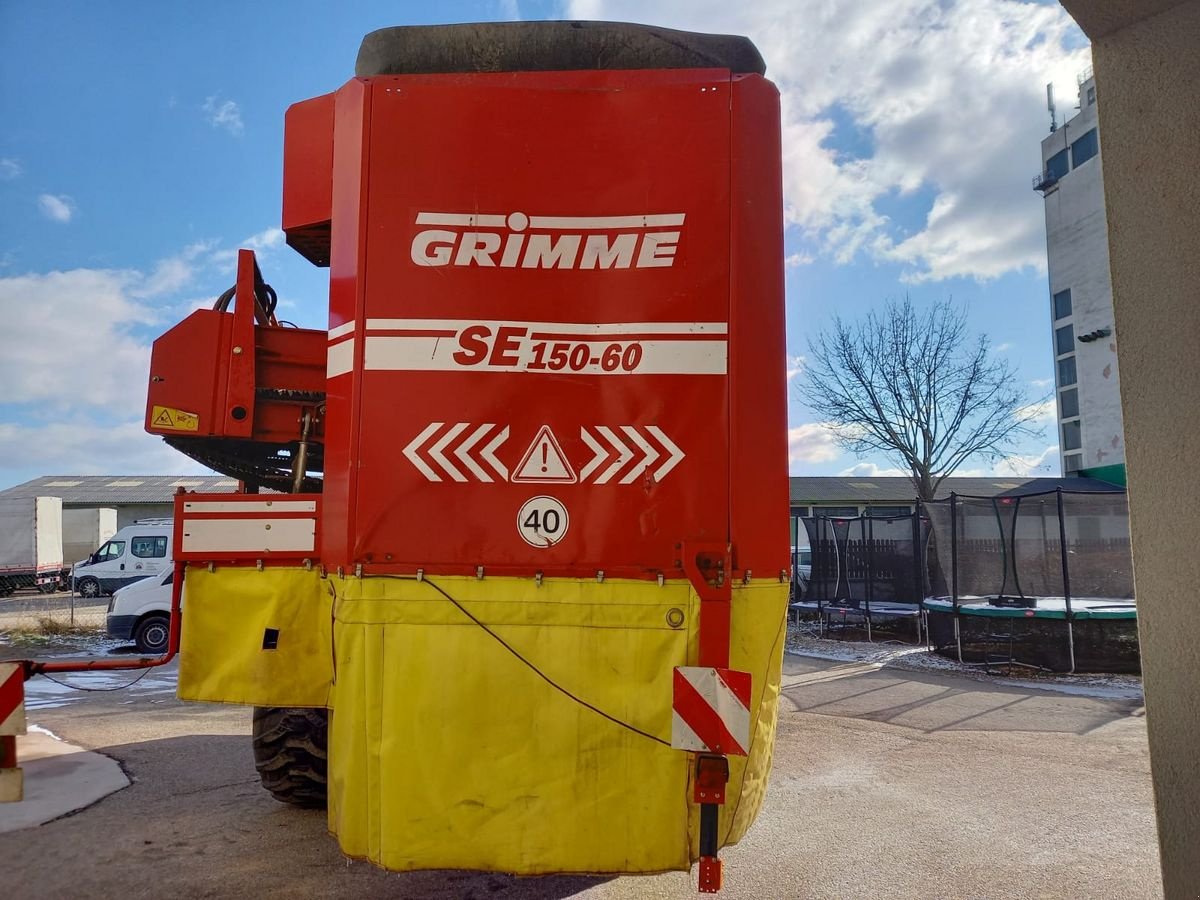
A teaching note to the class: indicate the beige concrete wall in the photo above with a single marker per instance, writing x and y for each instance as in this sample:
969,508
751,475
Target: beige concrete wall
1147,64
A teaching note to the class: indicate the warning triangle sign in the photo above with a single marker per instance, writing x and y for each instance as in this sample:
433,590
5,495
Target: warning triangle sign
544,461
163,419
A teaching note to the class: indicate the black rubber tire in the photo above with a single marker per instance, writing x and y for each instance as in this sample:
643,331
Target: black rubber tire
290,753
153,634
87,587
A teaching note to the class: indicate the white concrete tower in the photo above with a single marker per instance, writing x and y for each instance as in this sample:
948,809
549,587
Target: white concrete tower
1090,433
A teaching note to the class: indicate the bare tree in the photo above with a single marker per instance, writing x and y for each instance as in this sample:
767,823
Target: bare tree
918,388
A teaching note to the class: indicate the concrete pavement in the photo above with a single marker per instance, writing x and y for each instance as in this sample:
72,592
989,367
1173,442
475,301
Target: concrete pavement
886,784
60,778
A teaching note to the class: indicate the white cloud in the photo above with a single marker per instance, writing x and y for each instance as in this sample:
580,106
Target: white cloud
796,260
951,95
872,470
1040,412
1003,348
85,315
57,207
1042,382
812,443
10,168
1043,463
223,114
265,240
795,365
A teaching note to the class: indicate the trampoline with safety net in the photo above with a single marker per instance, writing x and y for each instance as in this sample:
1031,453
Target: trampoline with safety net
865,573
1040,580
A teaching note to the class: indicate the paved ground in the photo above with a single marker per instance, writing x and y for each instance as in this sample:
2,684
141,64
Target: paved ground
886,784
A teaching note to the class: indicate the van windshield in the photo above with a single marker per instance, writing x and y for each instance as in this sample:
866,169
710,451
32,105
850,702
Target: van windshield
111,550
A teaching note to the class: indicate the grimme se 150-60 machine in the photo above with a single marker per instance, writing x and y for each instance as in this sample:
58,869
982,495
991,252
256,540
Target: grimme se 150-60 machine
516,598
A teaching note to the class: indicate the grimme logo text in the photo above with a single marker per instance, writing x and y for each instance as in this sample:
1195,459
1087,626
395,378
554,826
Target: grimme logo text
547,242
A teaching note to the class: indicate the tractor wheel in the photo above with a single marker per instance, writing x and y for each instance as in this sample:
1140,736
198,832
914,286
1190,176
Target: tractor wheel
290,753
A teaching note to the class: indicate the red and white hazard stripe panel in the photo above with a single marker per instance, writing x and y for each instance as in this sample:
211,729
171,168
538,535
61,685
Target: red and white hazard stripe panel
12,723
710,712
245,526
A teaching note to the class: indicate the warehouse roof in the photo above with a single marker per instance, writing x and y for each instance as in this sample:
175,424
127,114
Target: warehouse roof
117,490
848,489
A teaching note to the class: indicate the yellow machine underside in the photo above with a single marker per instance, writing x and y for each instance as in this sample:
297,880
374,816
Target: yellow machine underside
447,750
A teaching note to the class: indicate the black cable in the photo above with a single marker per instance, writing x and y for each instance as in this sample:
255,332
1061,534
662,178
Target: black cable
542,675
75,687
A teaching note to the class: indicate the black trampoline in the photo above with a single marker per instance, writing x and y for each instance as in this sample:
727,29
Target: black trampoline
1039,580
865,571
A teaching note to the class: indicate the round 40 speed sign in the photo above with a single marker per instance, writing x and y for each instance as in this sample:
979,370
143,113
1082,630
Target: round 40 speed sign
542,521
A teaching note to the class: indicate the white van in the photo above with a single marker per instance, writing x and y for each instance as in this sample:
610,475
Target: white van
135,552
141,612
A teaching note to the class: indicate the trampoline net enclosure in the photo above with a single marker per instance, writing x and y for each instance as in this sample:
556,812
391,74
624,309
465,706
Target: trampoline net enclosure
864,560
1059,561
1011,549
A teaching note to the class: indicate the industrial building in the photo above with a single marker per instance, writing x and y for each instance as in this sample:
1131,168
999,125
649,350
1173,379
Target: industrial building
134,497
1087,382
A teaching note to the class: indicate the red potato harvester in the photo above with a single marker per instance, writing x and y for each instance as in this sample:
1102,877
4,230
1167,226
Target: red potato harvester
519,517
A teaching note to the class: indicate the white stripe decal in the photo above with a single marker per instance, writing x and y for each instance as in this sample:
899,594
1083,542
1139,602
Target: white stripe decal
343,329
435,354
606,222
249,506
249,535
683,737
461,220
340,359
580,328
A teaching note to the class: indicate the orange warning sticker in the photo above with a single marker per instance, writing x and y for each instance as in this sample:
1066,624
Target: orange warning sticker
166,418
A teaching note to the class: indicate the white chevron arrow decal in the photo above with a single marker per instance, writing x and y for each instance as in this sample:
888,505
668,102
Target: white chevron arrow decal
464,452
670,447
436,451
597,448
625,455
650,454
489,453
411,451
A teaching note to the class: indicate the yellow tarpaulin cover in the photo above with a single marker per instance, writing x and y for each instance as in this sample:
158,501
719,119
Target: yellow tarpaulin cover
228,619
447,751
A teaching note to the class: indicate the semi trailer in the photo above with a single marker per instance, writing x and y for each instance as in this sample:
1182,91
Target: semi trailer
31,544
516,601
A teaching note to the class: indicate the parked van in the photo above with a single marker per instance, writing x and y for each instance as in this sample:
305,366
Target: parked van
141,612
135,552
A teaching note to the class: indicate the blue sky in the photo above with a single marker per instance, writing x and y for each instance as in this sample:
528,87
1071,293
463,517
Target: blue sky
142,145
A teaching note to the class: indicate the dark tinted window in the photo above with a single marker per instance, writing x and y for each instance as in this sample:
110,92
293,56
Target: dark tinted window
1084,149
1070,403
1072,435
1072,462
1057,165
1064,340
148,547
1066,371
887,512
1062,304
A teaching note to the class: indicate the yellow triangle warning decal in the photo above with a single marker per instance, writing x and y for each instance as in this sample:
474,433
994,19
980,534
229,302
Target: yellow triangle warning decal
167,418
544,462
